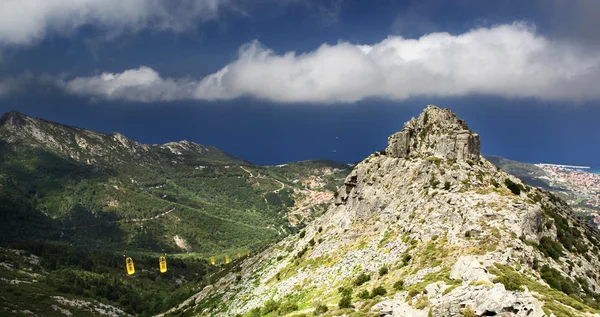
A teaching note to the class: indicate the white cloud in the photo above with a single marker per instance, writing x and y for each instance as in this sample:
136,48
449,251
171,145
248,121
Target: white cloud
142,84
23,22
505,60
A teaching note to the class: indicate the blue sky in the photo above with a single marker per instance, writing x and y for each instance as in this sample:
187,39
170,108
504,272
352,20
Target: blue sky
275,81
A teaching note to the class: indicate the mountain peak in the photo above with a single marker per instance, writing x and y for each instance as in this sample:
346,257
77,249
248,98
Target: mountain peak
13,118
436,132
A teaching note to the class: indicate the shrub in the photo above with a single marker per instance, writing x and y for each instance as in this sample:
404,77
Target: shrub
383,270
557,281
509,284
447,185
364,295
302,252
345,291
311,242
287,308
406,258
379,290
345,302
362,279
270,306
255,312
399,285
413,292
320,309
513,187
550,248
302,234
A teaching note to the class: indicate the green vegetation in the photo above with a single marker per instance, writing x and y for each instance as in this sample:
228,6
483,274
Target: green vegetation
553,297
100,275
383,270
320,309
570,237
557,281
509,284
399,285
468,312
364,294
361,279
550,248
378,291
345,302
513,187
111,196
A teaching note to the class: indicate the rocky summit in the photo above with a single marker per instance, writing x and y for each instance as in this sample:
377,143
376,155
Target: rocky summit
427,227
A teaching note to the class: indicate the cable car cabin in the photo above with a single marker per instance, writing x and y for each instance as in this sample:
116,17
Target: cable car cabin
248,254
212,260
163,264
227,259
239,254
129,264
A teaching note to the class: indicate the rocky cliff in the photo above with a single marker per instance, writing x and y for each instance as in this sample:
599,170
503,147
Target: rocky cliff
427,227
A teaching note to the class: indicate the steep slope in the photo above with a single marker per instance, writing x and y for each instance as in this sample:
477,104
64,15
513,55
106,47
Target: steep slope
106,190
427,227
528,173
577,187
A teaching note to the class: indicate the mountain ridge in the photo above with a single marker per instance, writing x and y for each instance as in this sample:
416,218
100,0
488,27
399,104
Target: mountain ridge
75,142
426,228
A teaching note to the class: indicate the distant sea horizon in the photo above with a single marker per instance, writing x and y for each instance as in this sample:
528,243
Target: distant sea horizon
595,170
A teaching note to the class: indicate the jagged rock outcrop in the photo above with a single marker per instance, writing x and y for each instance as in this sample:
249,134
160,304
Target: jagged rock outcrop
456,236
438,133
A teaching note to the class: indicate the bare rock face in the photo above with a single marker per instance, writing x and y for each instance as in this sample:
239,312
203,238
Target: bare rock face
436,132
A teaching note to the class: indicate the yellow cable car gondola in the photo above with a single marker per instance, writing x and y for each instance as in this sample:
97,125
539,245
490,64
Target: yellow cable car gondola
163,264
227,259
129,264
248,254
239,254
212,260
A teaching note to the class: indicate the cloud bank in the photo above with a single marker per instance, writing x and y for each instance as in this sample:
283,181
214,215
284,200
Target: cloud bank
24,22
504,60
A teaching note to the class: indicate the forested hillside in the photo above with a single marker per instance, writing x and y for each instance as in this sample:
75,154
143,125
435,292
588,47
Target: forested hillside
81,200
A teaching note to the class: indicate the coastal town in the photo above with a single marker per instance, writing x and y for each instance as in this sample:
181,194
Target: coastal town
580,185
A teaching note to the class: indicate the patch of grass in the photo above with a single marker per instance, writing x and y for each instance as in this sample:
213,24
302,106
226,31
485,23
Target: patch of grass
441,275
468,312
421,303
387,235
